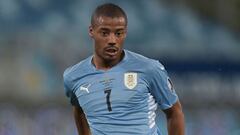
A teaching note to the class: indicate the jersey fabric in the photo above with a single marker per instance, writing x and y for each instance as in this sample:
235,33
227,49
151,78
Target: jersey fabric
123,99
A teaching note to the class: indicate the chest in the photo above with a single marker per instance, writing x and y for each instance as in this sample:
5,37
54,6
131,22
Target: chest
108,92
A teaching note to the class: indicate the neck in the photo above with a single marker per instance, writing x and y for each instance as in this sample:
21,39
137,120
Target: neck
103,64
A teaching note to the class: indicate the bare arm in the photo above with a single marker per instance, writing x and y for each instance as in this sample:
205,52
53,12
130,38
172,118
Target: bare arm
81,121
175,119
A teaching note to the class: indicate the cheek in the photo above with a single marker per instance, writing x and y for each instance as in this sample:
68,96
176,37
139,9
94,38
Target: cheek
120,42
99,44
100,40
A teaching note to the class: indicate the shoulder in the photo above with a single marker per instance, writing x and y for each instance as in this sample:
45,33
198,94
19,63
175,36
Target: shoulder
136,56
77,69
143,61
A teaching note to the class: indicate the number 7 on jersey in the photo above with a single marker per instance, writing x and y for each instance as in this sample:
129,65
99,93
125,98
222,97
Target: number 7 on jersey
108,92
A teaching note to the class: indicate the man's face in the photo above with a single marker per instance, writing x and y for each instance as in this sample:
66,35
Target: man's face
109,35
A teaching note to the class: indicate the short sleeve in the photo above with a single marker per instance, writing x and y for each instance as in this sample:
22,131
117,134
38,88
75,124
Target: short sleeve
69,91
161,87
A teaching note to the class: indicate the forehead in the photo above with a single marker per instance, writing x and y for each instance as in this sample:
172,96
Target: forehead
109,22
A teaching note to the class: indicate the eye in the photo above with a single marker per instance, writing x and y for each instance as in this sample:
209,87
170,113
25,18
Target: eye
104,33
119,34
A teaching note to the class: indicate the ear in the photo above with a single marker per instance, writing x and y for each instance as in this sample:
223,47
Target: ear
90,31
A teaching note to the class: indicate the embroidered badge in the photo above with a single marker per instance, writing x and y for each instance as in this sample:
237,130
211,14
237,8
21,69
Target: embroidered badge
130,80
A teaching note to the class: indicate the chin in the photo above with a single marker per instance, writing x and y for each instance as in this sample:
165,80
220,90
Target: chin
110,58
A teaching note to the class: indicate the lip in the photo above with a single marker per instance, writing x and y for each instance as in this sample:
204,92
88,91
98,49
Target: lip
112,51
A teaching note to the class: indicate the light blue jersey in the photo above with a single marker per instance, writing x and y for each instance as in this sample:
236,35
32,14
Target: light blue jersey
122,100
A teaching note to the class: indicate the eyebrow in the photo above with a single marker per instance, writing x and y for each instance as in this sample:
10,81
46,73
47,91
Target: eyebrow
107,29
120,29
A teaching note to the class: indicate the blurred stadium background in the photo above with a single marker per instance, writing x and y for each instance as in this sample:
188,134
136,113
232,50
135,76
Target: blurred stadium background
197,41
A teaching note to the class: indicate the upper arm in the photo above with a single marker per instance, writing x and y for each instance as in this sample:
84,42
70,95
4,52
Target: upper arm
175,119
78,114
77,110
176,109
81,121
69,90
161,87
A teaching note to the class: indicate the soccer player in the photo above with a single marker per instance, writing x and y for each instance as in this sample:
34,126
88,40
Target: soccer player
116,91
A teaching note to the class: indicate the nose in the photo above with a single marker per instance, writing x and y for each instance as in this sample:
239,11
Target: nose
112,39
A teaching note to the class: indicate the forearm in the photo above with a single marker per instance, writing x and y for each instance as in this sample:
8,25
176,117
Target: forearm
176,124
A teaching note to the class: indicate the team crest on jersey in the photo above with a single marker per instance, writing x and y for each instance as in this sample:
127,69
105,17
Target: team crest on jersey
130,80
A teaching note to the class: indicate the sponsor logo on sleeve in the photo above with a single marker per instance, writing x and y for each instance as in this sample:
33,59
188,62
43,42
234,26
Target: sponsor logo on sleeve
170,85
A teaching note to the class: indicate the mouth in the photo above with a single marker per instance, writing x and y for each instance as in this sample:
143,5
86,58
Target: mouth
112,51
